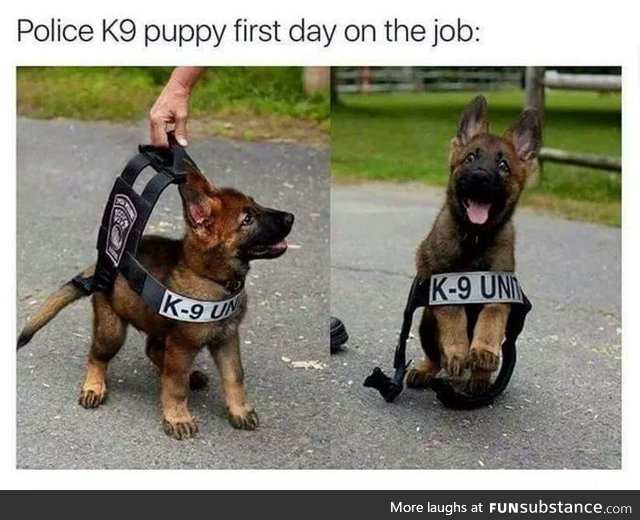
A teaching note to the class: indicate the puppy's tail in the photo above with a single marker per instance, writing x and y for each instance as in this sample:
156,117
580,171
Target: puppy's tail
64,296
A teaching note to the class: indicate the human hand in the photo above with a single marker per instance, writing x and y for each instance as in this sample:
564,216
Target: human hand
171,109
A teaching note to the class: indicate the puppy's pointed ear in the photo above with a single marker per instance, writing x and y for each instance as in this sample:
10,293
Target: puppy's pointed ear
526,135
473,121
198,181
199,200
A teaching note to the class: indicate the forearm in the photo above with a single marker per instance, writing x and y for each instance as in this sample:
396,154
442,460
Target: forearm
187,77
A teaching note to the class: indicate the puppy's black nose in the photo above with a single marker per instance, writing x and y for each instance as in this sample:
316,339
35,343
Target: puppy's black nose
480,173
288,219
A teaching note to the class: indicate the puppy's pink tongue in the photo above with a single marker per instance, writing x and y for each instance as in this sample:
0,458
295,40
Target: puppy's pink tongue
478,212
282,245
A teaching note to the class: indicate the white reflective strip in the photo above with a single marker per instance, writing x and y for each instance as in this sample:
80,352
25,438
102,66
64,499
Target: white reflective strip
474,287
179,307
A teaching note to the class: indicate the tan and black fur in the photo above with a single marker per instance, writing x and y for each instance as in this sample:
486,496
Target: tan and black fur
486,171
225,231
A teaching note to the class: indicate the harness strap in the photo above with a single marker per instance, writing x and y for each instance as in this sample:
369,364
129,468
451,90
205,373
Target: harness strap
123,222
134,167
175,305
391,388
125,216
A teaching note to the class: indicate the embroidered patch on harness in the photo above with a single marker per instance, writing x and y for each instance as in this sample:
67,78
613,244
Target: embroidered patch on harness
123,216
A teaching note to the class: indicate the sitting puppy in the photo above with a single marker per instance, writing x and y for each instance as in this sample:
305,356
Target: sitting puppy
225,230
474,232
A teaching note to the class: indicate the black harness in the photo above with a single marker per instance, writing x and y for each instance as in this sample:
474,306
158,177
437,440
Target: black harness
123,222
390,388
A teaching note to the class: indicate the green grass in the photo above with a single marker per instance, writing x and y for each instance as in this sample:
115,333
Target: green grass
125,94
405,137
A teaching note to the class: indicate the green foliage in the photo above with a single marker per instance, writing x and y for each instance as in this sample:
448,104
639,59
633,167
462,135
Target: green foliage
127,93
405,137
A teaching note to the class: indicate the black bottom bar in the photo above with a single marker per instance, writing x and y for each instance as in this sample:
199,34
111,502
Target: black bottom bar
321,504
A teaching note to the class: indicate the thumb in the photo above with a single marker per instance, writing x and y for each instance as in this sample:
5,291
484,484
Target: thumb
181,129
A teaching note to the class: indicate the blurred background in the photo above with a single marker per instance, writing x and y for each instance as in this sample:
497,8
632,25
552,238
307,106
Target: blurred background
395,124
249,103
387,123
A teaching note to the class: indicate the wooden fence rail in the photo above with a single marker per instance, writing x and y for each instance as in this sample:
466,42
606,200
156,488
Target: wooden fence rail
592,160
410,79
537,80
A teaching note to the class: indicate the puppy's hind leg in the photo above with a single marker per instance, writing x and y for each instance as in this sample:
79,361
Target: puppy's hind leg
109,332
176,365
428,368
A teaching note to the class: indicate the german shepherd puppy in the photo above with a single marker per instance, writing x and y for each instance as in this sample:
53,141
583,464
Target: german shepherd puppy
474,232
225,230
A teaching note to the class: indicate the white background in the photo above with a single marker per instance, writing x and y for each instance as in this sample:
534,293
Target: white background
512,33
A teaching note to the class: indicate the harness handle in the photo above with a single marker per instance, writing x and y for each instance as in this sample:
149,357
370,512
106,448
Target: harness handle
178,151
172,161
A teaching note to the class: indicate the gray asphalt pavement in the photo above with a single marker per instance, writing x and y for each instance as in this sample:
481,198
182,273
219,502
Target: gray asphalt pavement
563,406
65,172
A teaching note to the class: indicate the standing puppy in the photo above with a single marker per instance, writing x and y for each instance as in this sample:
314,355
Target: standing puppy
225,230
474,232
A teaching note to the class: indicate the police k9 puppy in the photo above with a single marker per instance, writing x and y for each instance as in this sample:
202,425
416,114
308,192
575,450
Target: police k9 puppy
474,232
225,231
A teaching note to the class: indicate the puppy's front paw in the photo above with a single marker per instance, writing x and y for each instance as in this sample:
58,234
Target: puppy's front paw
248,420
181,429
483,359
92,398
455,364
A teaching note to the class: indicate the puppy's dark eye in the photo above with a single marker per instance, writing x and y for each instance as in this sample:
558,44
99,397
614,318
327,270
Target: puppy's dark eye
470,158
247,221
504,166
